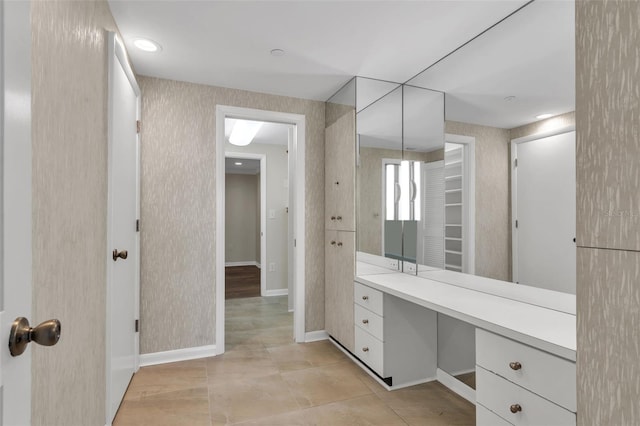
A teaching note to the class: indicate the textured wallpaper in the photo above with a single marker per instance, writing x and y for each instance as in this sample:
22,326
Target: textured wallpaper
69,106
178,208
493,226
608,211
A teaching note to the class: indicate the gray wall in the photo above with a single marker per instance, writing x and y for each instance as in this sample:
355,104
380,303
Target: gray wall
608,211
178,209
69,105
242,207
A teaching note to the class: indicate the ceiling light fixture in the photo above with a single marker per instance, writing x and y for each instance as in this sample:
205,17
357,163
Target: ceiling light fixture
277,52
244,131
237,163
147,45
543,116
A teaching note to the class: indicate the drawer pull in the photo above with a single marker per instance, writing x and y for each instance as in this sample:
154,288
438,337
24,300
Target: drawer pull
515,365
365,321
365,349
365,297
338,217
333,243
333,218
339,244
515,408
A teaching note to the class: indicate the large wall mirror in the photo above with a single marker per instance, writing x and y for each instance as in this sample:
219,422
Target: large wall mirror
461,211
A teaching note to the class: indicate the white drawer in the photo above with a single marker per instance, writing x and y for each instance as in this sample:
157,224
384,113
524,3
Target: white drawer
500,396
485,417
542,373
368,297
367,320
369,350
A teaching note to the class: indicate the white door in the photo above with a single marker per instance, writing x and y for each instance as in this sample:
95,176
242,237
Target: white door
15,214
122,269
544,205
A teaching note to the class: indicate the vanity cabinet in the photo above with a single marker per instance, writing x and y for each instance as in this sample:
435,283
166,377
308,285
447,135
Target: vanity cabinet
340,174
522,385
396,339
339,272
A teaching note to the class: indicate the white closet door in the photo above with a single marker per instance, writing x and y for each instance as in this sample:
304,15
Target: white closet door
544,205
431,227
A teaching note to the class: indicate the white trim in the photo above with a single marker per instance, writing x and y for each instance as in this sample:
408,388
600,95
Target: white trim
245,263
263,210
117,51
316,336
177,355
276,292
470,182
456,386
375,377
514,189
298,152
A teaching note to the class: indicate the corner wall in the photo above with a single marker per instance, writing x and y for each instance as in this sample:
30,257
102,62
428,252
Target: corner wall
69,137
178,209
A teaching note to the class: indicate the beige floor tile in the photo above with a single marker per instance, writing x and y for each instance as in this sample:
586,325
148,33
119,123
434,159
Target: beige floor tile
320,385
238,365
241,400
365,410
296,357
167,378
164,412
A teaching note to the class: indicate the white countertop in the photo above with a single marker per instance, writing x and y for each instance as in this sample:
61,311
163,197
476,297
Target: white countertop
550,330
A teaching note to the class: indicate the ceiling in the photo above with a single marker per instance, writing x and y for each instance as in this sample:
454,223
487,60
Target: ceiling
228,44
246,166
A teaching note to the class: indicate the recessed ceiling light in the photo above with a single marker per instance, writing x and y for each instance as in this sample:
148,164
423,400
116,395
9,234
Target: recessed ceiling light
510,98
277,52
147,45
237,163
543,116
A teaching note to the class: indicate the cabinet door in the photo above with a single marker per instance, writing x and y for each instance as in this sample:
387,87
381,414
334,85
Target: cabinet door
339,274
340,174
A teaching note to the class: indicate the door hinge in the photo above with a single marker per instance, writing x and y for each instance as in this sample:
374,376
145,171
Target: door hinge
137,225
138,125
294,242
515,163
137,326
516,223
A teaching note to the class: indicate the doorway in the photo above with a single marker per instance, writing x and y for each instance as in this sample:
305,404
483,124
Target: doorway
245,225
294,186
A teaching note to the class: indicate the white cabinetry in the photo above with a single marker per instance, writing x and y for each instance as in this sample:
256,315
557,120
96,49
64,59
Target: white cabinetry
454,209
523,385
396,339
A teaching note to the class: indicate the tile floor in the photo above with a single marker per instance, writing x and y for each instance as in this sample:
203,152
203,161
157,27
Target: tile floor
264,378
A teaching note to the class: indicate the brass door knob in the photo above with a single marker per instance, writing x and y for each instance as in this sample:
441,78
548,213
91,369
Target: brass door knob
515,408
119,254
45,334
515,365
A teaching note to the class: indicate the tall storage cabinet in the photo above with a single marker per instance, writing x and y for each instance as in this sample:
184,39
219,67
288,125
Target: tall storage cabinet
340,228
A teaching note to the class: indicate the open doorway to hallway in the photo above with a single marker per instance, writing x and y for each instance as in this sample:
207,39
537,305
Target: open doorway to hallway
257,232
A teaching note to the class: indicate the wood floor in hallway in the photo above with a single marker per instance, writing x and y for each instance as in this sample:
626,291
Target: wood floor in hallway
264,378
241,281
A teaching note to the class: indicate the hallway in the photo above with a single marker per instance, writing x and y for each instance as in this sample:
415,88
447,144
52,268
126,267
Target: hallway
266,379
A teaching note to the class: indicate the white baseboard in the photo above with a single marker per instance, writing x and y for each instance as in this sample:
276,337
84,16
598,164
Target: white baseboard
314,336
177,355
277,292
456,386
244,263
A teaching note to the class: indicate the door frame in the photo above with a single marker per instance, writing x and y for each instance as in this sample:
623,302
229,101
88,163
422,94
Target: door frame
263,211
298,179
16,261
117,52
514,187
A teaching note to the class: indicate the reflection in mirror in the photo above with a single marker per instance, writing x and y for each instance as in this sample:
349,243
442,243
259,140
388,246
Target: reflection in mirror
341,103
496,85
379,138
422,174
